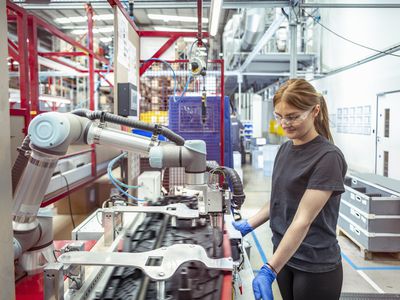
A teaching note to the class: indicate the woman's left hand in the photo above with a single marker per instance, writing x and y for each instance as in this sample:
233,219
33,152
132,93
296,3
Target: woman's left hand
262,284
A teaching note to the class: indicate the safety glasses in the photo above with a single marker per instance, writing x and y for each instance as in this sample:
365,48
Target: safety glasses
292,119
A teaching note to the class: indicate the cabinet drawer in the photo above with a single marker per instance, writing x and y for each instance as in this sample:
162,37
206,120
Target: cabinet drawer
374,242
370,222
370,198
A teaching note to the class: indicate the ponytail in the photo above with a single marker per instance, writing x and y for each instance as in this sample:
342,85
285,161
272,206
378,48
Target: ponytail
321,122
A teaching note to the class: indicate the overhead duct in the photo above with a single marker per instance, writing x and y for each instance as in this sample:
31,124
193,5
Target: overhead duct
241,34
231,41
254,28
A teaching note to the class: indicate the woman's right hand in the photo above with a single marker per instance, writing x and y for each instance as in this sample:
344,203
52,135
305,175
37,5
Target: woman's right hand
243,226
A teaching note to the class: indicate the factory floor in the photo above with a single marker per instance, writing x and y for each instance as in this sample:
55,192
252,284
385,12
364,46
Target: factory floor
384,279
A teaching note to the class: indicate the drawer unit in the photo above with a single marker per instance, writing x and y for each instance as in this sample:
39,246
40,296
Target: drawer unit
370,198
374,242
370,222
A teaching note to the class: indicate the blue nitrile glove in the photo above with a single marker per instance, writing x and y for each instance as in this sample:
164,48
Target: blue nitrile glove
262,284
243,226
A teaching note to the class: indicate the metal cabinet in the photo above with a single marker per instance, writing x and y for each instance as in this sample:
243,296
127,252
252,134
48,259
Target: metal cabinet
370,215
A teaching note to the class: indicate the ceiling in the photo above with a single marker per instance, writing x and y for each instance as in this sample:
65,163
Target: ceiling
51,10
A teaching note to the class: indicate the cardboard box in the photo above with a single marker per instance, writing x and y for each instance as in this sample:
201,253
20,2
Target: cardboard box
83,201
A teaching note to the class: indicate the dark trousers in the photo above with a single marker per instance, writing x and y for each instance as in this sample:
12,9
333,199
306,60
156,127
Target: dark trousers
300,285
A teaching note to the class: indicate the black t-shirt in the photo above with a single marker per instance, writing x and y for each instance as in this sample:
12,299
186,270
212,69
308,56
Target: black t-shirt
318,165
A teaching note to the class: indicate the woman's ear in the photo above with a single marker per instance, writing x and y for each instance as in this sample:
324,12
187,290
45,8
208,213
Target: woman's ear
316,111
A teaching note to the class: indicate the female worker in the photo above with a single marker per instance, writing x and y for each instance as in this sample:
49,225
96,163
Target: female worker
307,182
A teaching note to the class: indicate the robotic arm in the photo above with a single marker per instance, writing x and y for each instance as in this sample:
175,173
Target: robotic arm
52,133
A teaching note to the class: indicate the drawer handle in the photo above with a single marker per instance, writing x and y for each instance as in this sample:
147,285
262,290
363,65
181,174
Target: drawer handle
355,213
355,230
358,198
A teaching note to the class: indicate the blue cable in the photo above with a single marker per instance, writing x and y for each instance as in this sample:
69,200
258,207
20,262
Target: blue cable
109,171
115,181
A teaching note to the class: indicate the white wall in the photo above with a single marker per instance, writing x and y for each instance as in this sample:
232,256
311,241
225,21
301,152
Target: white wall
359,86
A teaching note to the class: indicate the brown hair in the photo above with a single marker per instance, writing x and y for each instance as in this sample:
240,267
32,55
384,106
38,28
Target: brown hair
302,95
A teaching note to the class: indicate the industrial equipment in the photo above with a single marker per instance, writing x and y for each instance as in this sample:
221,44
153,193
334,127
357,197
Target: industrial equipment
178,246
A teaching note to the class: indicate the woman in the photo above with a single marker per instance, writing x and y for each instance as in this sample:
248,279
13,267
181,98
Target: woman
307,182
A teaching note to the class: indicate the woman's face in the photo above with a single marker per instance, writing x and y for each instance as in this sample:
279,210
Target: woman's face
297,124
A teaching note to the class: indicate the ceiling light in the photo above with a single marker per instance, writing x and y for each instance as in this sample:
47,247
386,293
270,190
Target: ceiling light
161,28
168,18
107,29
83,19
216,6
105,39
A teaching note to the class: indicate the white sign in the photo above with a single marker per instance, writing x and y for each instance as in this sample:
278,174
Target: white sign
123,47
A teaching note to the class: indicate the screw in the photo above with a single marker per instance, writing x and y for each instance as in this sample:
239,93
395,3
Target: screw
164,248
191,246
161,274
61,123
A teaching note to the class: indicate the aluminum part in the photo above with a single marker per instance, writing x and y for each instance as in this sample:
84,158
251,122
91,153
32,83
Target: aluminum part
179,210
169,258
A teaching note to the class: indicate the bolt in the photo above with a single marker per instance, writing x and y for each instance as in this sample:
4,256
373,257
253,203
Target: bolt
164,248
51,144
161,274
61,123
191,246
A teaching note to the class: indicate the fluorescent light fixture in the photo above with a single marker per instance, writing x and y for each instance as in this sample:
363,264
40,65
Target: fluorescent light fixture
161,28
83,19
105,39
189,39
107,29
216,6
168,18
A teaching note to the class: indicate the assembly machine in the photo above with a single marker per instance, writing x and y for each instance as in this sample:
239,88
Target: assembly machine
179,246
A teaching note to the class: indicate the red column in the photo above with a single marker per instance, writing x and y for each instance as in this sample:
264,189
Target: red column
89,12
33,66
22,29
222,112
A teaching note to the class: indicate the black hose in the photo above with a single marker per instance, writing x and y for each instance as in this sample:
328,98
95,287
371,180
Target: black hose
20,162
237,186
100,115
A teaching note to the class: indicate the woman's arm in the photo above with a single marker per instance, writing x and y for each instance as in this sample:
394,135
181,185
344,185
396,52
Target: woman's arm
260,217
310,205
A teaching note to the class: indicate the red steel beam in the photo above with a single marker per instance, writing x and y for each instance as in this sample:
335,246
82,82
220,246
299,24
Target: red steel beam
24,84
118,4
62,54
199,21
33,65
15,8
13,53
150,33
221,61
89,13
160,52
58,33
18,112
106,80
226,290
67,64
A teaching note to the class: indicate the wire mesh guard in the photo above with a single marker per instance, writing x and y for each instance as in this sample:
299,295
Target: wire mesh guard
173,99
157,86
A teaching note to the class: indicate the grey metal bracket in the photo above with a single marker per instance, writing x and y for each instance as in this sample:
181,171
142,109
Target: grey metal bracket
54,282
179,210
159,264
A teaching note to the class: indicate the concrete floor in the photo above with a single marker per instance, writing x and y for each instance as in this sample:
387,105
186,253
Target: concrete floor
356,280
